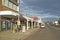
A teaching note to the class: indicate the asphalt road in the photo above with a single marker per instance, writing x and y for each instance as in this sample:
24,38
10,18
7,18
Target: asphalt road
47,33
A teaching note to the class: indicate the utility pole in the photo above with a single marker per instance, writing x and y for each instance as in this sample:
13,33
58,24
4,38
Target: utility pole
18,21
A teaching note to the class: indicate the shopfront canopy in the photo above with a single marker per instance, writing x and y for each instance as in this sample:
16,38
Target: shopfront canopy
8,13
27,18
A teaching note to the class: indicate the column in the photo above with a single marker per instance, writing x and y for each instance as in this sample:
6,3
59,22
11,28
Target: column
0,23
38,24
27,25
32,24
12,24
6,23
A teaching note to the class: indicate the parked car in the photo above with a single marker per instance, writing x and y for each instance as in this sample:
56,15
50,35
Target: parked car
42,26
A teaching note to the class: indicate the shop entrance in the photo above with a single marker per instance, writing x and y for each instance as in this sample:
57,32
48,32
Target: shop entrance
9,24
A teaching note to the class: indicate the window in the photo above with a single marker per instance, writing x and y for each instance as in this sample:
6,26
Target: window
14,2
3,2
10,5
14,7
3,24
6,3
18,8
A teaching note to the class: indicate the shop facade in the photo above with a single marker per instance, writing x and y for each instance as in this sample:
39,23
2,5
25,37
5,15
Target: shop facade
8,20
9,12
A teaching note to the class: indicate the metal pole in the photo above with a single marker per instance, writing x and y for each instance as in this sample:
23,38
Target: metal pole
19,10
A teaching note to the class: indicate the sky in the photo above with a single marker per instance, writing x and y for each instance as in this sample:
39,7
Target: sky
48,10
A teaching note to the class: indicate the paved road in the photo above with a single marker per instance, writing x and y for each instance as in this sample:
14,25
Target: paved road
45,34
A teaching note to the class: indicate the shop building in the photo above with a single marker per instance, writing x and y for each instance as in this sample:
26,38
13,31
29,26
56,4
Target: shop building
9,13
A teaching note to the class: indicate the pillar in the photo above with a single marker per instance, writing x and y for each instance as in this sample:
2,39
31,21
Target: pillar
32,24
6,25
0,10
27,25
38,24
0,23
11,26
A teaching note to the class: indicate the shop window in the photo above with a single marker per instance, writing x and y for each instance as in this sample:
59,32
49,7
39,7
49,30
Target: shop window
3,24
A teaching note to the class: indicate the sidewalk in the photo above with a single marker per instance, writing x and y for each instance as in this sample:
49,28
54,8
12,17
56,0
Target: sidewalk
8,35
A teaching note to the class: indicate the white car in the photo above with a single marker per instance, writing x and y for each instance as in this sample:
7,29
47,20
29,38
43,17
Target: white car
42,26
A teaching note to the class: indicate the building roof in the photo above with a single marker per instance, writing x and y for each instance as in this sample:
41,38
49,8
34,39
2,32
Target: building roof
35,18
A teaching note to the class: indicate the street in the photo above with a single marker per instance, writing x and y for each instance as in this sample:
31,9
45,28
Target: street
48,33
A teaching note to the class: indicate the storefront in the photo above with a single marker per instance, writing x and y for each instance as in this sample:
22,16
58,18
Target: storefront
5,25
7,20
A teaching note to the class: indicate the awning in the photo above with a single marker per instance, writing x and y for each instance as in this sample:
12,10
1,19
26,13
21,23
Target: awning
8,13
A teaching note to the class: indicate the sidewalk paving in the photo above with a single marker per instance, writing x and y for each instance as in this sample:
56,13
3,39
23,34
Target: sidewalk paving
8,35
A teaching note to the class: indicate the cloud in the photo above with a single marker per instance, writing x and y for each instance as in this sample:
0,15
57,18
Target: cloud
41,8
50,16
21,1
44,4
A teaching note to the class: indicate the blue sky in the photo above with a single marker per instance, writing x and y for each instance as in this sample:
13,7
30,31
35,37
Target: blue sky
45,9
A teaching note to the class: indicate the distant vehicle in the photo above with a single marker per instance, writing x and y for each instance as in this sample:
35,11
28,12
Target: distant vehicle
42,26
